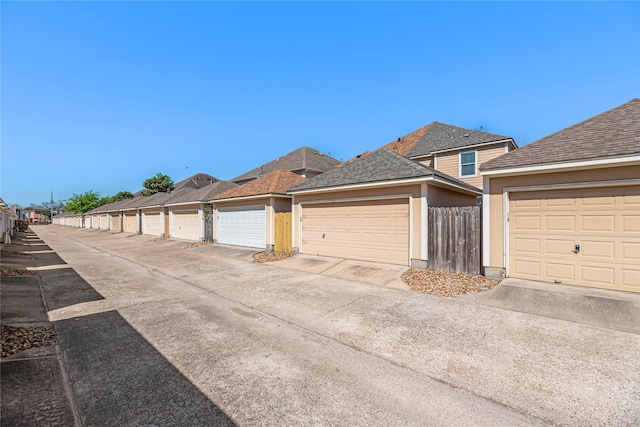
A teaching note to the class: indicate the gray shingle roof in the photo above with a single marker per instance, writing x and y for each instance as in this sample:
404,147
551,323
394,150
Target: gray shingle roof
203,194
303,158
614,133
198,180
441,136
379,166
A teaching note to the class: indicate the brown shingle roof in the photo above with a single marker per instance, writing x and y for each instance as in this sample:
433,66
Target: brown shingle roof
274,183
435,137
298,160
614,133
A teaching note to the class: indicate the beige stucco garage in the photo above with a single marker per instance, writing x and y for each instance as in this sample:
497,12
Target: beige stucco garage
566,208
373,209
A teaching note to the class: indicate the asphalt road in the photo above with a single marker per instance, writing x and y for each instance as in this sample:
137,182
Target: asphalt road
156,334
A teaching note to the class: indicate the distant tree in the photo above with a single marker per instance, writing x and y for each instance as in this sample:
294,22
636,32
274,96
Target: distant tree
156,184
81,203
123,195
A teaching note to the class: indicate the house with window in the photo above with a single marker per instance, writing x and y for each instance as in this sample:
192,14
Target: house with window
456,151
375,207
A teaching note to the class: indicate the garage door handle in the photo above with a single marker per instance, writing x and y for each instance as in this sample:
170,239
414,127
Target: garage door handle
576,250
323,235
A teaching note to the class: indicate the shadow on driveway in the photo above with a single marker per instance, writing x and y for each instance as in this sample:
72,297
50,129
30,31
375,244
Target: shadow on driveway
118,378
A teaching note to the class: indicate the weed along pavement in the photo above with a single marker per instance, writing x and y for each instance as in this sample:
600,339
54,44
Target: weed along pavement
153,333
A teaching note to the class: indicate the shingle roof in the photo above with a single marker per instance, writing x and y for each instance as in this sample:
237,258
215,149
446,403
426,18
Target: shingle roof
440,137
614,133
203,194
198,180
303,158
276,182
381,165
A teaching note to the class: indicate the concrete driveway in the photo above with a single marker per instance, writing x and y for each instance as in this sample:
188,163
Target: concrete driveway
153,333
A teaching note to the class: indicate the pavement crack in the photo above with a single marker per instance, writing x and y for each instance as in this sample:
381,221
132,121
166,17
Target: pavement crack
484,335
344,305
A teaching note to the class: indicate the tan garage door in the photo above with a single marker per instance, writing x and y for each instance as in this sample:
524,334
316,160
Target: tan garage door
152,224
104,222
375,230
545,227
130,223
115,222
186,225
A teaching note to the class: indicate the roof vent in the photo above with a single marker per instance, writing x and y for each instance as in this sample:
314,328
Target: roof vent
466,135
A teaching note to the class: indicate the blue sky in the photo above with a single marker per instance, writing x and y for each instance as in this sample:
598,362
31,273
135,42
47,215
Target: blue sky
102,95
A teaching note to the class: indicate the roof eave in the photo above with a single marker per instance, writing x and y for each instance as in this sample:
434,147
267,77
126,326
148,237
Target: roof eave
564,166
468,147
388,183
254,196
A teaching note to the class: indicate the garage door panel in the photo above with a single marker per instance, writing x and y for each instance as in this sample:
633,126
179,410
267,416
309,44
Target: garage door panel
366,230
598,223
597,274
630,279
631,223
605,222
560,223
630,251
598,249
560,271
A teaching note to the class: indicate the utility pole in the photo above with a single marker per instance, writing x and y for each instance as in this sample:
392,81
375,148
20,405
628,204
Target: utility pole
51,209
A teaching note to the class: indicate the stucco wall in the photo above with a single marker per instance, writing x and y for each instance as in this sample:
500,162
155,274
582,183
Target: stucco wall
444,197
449,162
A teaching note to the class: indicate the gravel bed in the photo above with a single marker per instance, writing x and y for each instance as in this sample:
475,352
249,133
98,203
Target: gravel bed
10,271
17,339
197,245
444,283
270,256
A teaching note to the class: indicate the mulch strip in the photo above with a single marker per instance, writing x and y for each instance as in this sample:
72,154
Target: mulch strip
11,271
16,339
197,245
444,283
270,256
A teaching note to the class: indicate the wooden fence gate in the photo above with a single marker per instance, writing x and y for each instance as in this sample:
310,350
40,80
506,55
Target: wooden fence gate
455,239
282,232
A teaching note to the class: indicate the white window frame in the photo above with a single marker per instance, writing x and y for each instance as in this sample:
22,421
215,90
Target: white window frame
475,164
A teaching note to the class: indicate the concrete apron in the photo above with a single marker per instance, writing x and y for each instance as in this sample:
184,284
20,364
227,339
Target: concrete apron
588,306
362,271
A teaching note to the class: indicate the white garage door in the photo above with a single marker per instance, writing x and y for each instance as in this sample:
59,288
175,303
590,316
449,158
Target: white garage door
375,230
186,225
545,229
130,223
242,226
152,224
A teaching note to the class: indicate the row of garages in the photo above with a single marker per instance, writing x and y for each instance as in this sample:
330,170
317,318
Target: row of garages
564,209
185,223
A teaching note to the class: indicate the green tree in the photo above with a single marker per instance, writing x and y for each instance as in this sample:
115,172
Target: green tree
123,195
156,184
81,203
